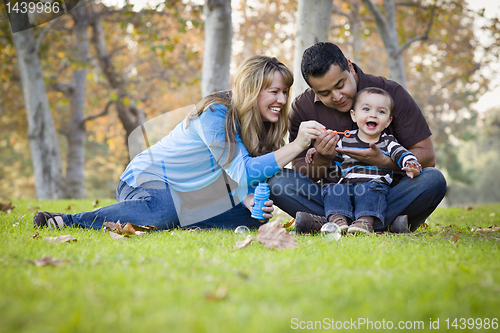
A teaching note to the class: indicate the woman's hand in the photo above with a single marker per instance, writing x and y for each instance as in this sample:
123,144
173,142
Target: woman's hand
249,202
308,131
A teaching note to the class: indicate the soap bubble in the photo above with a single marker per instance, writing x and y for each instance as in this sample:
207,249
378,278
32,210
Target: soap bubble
242,229
330,231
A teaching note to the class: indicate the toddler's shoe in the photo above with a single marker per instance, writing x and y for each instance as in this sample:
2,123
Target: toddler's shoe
342,223
360,227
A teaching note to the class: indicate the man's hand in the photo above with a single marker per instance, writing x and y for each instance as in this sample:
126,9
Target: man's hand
373,156
325,145
412,169
319,162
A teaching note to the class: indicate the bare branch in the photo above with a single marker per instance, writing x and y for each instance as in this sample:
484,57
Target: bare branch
103,113
64,132
65,88
411,41
109,12
423,36
411,4
44,33
337,10
116,50
452,80
380,20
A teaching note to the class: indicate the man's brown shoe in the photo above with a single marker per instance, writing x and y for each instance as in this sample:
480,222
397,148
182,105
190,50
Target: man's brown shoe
400,225
306,223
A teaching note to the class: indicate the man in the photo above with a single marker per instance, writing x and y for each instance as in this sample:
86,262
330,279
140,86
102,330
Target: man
334,81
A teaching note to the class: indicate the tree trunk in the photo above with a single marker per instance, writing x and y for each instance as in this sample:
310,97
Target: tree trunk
313,25
217,57
129,114
356,32
76,136
42,134
388,31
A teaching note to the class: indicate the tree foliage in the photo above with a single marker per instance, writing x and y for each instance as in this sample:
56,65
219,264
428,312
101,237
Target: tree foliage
157,53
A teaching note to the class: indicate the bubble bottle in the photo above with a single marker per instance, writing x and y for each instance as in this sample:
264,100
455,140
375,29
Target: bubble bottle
261,196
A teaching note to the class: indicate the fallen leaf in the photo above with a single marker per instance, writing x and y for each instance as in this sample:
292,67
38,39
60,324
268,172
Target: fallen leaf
113,226
95,203
490,229
61,239
144,227
219,294
455,237
16,224
243,275
6,208
140,233
245,242
108,226
424,225
469,207
114,235
34,208
492,214
48,261
69,207
273,235
128,229
289,223
35,236
118,228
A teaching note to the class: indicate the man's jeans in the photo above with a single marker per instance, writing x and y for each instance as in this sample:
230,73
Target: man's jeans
354,200
292,191
152,204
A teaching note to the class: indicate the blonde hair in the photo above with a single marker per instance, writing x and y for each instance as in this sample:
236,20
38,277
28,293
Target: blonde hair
253,75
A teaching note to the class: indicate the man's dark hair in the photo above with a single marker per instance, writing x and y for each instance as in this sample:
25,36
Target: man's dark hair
318,59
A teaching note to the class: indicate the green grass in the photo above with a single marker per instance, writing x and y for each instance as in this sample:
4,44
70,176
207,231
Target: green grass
166,281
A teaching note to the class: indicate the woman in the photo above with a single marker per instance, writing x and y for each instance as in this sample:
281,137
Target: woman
203,174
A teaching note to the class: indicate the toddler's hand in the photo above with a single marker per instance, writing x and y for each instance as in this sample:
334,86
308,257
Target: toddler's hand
413,169
309,155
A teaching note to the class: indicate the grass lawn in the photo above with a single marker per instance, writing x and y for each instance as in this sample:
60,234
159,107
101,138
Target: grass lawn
195,281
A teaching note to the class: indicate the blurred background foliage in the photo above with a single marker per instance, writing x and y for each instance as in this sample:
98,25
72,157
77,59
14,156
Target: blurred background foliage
158,51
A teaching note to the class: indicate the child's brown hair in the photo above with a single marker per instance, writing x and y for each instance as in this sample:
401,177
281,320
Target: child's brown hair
377,91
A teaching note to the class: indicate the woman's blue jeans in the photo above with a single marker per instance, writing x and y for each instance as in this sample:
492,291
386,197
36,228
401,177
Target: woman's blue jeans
293,192
152,205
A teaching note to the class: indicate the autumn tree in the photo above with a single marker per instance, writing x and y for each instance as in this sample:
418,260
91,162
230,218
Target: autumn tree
388,30
75,129
265,27
43,142
440,62
313,25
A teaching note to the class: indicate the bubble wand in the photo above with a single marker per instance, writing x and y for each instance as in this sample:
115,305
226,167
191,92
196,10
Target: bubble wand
346,133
